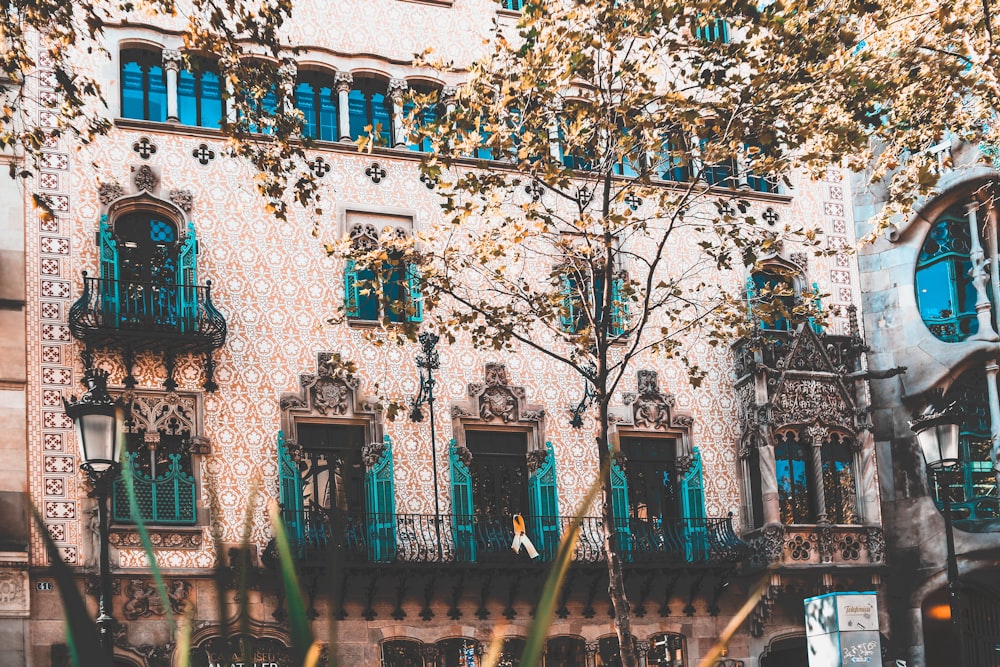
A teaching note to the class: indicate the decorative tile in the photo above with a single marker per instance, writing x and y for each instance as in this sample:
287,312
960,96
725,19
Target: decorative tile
52,375
69,555
56,464
56,420
48,181
845,294
55,486
49,266
55,332
58,161
834,210
52,442
836,192
51,398
49,224
57,531
54,245
841,277
839,226
56,288
60,509
50,310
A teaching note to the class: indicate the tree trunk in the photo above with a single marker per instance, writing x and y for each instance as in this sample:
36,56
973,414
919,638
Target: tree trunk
616,577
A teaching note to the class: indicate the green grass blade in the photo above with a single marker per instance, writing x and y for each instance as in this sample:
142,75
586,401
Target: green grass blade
221,571
133,507
298,620
548,602
82,637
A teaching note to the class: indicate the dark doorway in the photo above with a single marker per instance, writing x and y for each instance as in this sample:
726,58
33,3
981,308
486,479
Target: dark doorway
787,652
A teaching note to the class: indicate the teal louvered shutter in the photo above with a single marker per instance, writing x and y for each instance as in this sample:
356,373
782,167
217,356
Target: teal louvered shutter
108,288
567,316
619,510
619,309
380,505
462,509
819,310
290,492
693,506
415,302
544,506
351,297
187,280
751,295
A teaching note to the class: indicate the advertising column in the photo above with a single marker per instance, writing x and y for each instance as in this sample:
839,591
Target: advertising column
842,630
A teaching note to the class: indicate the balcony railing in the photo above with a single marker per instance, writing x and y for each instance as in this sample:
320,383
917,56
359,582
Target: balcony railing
776,345
448,538
178,317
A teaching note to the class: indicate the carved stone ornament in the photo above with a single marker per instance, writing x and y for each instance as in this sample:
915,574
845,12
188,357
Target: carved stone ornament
108,192
143,598
161,538
497,398
806,400
536,459
875,541
154,413
817,434
13,592
183,199
372,453
144,179
653,409
464,455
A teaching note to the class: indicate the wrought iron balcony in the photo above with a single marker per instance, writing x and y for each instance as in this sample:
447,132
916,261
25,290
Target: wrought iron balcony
181,316
467,539
133,316
775,346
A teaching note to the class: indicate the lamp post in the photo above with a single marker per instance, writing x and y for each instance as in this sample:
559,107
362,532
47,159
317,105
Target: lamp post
427,362
937,435
99,420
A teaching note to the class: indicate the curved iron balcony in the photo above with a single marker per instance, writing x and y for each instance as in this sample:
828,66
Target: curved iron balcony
414,538
132,316
147,315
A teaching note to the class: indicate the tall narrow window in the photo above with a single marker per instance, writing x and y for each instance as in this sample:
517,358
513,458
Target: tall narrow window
423,116
794,488
387,292
401,653
370,111
773,299
316,98
946,295
499,474
722,173
583,306
144,85
839,487
651,471
457,652
565,652
674,162
199,95
666,650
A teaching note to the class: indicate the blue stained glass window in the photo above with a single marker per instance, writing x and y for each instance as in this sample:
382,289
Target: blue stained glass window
839,488
946,295
766,283
794,487
368,106
305,101
143,85
318,104
199,97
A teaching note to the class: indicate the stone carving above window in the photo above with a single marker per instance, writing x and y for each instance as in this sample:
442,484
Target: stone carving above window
496,401
651,409
331,392
166,413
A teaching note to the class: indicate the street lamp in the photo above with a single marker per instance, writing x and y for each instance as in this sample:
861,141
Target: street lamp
99,424
937,435
427,363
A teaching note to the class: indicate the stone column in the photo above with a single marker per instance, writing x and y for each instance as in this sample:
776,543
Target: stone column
171,65
344,81
591,649
978,259
447,99
554,147
396,89
816,435
641,651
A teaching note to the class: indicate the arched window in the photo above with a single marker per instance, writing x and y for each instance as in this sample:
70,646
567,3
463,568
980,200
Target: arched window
457,652
401,653
773,298
199,95
839,487
424,116
946,295
794,484
316,98
666,650
143,85
674,162
565,652
608,652
369,107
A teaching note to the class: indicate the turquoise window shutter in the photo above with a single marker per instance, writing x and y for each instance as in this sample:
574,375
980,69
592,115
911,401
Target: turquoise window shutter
415,303
544,506
751,295
108,249
619,509
380,504
290,492
351,298
819,310
619,309
187,280
462,509
693,505
567,318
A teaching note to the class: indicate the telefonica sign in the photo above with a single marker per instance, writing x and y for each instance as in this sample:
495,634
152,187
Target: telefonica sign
842,630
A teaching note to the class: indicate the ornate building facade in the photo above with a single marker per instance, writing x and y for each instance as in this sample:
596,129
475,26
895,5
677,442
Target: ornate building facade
162,266
929,292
